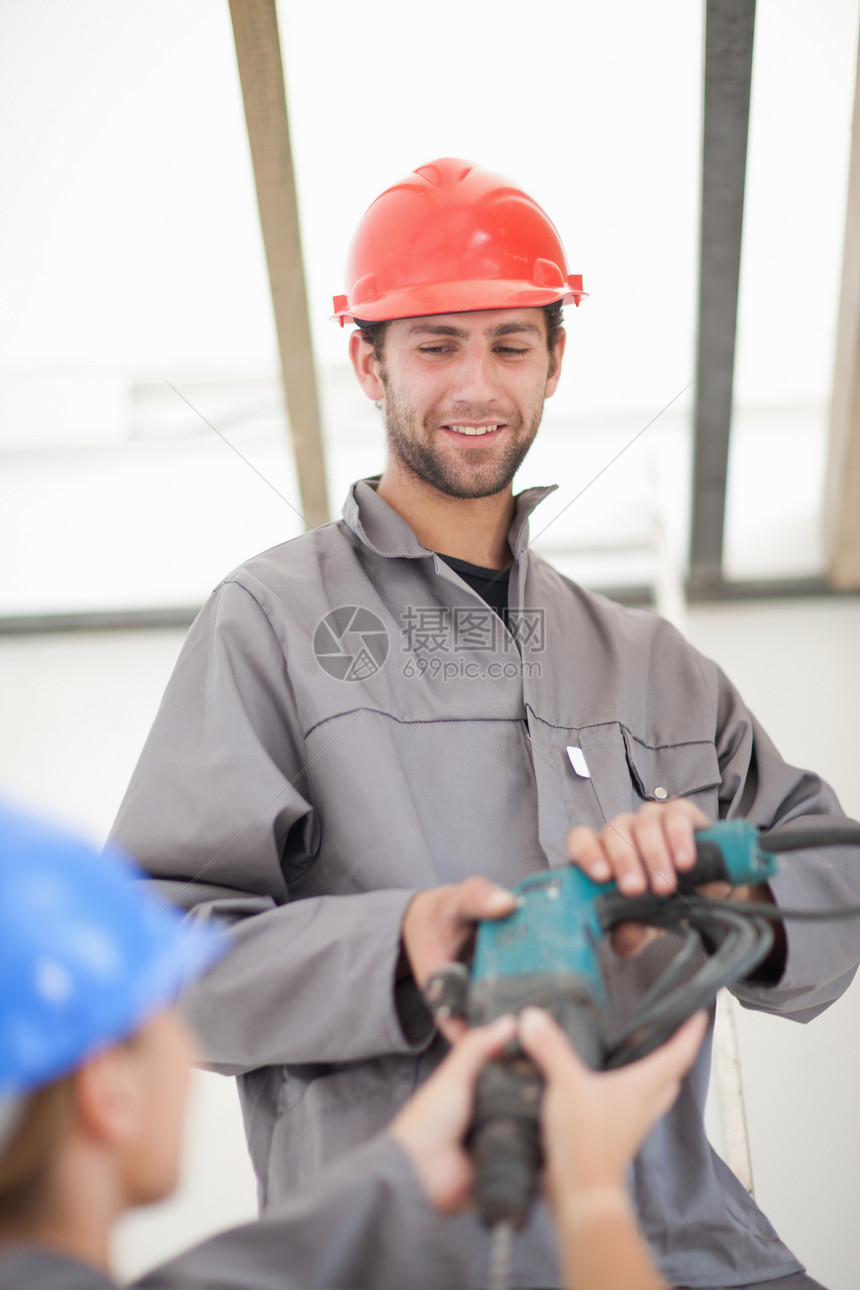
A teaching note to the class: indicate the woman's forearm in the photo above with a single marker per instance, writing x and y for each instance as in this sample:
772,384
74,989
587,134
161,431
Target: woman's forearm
600,1243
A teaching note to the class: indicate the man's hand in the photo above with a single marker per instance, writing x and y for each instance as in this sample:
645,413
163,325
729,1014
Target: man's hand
642,850
593,1123
439,926
432,1125
647,850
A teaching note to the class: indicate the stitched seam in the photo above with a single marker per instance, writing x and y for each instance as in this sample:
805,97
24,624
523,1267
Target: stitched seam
234,582
685,743
412,721
597,725
594,725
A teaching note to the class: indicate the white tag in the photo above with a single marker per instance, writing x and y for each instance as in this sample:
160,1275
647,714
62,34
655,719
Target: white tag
578,762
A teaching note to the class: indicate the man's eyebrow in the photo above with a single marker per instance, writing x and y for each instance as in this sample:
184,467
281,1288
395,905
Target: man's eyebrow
438,329
446,329
512,328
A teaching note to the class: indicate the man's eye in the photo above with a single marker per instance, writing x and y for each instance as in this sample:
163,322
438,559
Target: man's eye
435,349
510,349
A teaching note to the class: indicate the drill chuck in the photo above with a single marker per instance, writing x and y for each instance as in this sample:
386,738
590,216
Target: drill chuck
506,1140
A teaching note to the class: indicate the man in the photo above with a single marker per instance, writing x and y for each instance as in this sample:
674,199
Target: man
94,1066
365,716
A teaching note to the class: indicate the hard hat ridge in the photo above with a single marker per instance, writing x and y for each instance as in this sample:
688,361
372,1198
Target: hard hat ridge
452,237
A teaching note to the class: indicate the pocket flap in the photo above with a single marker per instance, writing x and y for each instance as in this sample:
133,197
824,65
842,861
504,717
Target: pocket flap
671,770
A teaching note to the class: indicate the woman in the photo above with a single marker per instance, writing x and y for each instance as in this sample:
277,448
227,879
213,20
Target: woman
94,1068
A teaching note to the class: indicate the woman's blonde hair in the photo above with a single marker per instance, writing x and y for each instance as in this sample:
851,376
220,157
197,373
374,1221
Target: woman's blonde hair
26,1160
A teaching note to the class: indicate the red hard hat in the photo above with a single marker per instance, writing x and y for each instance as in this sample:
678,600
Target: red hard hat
452,238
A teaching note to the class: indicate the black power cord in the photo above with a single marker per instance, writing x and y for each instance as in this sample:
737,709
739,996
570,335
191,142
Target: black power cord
737,936
809,837
738,941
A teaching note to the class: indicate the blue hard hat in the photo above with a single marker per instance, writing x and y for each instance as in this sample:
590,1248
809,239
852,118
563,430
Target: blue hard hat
86,953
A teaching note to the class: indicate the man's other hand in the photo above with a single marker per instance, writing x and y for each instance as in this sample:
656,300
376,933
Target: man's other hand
439,923
439,927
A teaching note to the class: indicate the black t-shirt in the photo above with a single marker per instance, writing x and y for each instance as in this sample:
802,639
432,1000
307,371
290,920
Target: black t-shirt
490,584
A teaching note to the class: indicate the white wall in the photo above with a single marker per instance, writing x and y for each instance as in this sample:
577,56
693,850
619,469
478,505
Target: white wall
798,667
75,710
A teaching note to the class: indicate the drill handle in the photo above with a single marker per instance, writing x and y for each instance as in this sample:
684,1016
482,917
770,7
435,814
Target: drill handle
711,866
728,851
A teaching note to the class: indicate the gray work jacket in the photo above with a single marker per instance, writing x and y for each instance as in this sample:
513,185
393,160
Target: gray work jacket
365,1222
348,723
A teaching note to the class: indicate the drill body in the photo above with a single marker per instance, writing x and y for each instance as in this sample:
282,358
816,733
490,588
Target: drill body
545,954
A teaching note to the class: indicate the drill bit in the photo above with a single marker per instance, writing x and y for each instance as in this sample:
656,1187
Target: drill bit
500,1255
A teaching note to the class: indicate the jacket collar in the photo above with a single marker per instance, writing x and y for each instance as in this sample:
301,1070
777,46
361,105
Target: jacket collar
379,527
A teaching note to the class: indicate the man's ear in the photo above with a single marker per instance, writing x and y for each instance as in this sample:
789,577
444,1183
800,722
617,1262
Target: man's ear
555,363
365,366
108,1096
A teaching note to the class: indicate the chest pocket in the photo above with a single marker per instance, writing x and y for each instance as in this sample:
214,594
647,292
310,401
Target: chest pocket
688,770
626,771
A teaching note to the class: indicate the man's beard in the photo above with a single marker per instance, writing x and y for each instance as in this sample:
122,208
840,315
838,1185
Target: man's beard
478,474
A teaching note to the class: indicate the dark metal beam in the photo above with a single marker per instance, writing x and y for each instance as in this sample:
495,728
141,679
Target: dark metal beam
99,620
182,617
719,590
728,74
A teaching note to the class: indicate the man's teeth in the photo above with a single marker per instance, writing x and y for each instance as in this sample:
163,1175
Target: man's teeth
472,429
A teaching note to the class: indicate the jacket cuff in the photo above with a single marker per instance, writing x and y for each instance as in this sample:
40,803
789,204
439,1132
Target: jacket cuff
820,956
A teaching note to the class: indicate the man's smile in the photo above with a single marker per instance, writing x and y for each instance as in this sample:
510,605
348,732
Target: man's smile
473,431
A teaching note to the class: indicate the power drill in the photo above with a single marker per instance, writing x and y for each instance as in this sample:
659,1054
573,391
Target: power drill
545,954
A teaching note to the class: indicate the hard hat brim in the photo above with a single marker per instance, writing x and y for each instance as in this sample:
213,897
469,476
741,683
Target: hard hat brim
457,298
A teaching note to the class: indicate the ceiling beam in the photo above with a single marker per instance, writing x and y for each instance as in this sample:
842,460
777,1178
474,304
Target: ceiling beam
728,74
842,489
258,51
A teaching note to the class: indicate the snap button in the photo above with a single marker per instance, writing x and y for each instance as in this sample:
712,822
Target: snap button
660,794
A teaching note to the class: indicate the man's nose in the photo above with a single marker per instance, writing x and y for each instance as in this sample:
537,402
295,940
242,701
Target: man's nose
474,380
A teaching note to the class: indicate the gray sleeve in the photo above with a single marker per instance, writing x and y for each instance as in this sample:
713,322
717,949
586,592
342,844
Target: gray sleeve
757,784
220,811
364,1222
